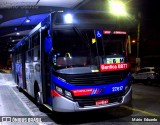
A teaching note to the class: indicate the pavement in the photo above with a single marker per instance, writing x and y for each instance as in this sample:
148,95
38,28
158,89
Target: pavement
15,107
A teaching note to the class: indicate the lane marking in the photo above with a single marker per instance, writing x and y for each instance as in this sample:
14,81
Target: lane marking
141,111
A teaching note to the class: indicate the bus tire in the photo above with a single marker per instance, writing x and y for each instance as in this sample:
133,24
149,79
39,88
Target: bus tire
38,99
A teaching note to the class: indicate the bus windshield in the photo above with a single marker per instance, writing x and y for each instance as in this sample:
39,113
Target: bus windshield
78,52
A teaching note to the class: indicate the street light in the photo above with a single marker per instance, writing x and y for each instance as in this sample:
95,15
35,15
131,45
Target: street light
117,8
133,41
138,60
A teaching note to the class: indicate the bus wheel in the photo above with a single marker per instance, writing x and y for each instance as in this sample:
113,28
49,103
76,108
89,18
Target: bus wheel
38,100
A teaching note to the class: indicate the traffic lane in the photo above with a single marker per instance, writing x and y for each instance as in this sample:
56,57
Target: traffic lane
114,116
145,103
146,98
106,116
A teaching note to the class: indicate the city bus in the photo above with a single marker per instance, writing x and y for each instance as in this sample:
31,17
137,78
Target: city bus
70,66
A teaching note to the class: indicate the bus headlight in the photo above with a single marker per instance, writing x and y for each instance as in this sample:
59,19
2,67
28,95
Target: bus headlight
68,94
59,90
64,92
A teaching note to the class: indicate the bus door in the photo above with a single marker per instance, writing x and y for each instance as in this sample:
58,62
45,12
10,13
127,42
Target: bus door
14,66
23,67
45,66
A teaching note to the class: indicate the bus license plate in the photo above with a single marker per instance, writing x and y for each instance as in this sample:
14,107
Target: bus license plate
102,102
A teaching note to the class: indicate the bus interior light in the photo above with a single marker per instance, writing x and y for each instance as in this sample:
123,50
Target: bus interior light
17,33
68,18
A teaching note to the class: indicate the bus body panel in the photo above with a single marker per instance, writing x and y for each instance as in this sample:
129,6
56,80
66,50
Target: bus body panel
33,76
61,104
70,87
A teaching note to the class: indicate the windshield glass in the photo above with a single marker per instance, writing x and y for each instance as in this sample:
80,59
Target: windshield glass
108,44
74,49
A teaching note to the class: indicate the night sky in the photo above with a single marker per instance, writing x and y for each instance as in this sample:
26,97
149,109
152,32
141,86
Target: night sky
150,20
150,27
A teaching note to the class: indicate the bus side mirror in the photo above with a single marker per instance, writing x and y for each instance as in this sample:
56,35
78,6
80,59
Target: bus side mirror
48,45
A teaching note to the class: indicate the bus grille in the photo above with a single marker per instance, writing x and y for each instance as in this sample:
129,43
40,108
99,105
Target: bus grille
98,78
89,101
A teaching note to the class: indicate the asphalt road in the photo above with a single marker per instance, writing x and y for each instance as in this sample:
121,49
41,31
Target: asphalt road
145,105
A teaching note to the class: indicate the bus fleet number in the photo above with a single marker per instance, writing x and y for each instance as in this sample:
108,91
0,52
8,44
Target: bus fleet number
116,89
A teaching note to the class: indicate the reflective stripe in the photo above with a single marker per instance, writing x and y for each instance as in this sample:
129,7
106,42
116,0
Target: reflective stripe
82,92
54,93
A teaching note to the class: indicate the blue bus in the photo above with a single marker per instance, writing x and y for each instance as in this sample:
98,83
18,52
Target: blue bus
69,64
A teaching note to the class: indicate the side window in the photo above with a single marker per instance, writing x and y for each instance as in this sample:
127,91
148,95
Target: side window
36,45
30,43
18,56
27,45
142,71
28,56
36,40
17,59
148,70
36,54
139,71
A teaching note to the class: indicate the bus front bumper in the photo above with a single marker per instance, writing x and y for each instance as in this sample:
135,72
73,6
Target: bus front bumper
62,104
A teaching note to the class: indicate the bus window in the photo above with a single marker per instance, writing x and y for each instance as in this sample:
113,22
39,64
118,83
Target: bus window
28,56
36,45
36,40
27,45
36,54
